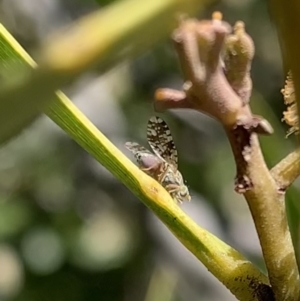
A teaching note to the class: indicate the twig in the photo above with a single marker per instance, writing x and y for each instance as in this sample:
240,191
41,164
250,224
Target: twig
287,170
222,90
244,280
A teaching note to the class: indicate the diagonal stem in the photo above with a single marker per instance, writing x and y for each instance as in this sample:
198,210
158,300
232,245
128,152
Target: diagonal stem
287,170
226,99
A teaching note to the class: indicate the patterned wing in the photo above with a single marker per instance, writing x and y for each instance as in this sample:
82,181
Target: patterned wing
161,141
137,149
144,157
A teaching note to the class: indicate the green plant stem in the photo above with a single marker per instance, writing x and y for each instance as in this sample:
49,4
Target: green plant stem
162,274
231,268
100,39
113,34
267,207
199,47
287,170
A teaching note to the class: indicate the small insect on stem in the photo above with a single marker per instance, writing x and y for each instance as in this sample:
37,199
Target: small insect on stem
162,164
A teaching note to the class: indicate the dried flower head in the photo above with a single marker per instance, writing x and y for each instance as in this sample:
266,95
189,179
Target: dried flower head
291,115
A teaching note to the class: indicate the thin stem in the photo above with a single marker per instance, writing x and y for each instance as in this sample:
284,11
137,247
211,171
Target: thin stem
227,101
98,40
267,207
229,266
287,170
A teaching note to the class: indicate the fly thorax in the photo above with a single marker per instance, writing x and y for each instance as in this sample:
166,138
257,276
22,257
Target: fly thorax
179,178
169,175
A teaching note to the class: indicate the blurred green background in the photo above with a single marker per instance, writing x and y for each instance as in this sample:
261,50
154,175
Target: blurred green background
70,231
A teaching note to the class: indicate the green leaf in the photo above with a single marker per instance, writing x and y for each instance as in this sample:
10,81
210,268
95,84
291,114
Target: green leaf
101,39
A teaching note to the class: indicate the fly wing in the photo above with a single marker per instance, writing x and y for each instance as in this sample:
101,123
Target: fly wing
137,149
161,141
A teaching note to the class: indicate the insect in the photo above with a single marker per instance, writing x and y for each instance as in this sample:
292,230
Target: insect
162,164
